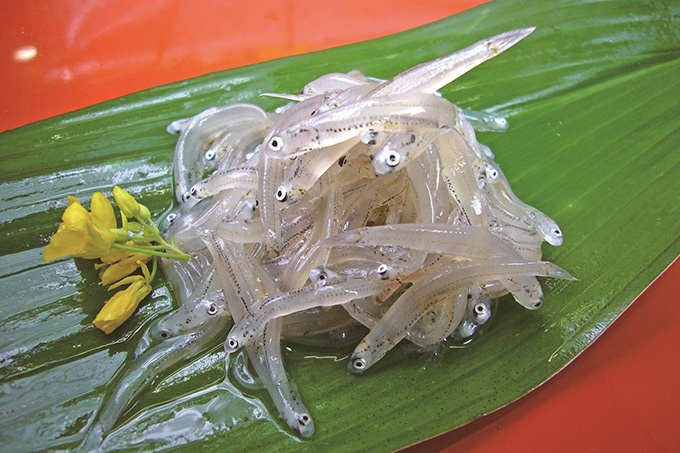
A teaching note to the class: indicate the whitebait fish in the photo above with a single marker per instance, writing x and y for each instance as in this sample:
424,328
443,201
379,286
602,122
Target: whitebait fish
425,293
181,335
363,212
195,154
415,111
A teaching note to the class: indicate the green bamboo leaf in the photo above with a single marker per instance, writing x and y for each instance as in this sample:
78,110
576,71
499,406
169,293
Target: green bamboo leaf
592,100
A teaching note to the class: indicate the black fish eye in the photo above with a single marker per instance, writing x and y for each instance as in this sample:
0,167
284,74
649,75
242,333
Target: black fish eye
393,159
212,309
275,144
281,194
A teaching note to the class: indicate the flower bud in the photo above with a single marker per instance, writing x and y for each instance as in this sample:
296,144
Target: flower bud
144,213
121,306
126,203
134,227
121,236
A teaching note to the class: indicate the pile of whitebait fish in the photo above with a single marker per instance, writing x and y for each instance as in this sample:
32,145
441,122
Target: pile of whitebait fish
362,212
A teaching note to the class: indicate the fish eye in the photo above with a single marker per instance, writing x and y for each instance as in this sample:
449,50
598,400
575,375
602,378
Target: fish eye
368,137
482,313
281,194
382,269
210,154
212,309
275,143
232,344
164,334
556,232
193,190
342,161
393,159
186,197
318,274
171,217
492,172
359,364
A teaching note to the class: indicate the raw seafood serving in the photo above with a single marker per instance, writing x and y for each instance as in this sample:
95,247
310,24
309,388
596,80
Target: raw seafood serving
362,212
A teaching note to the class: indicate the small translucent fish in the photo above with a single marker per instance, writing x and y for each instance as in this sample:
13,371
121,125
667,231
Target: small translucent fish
362,212
208,319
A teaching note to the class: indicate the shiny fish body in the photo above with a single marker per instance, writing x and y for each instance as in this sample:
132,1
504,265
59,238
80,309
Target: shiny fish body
362,208
188,332
418,299
397,113
198,134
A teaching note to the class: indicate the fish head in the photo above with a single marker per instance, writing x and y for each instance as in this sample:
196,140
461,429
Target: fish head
194,315
292,142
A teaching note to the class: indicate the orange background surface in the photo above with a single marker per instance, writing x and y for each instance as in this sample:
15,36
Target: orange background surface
621,394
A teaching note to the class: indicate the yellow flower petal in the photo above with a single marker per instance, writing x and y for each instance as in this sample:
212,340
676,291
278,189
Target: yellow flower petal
102,208
99,234
122,267
81,235
145,271
62,243
75,213
121,306
116,256
127,280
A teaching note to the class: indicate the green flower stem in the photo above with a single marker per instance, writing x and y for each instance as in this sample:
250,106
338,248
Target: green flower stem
153,247
151,228
142,239
153,269
148,251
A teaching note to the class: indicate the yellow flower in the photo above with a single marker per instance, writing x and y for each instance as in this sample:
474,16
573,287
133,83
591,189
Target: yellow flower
82,234
121,264
121,306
